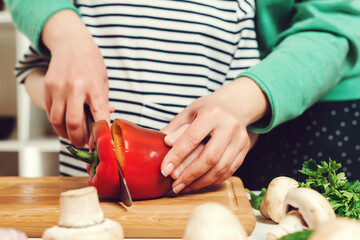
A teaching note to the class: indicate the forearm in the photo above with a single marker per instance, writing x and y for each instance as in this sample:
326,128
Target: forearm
303,68
30,17
65,31
35,85
308,57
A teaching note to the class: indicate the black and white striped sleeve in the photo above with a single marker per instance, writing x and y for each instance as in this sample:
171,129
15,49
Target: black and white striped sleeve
30,62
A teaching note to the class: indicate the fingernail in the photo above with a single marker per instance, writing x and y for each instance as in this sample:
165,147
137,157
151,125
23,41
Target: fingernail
167,169
176,174
178,188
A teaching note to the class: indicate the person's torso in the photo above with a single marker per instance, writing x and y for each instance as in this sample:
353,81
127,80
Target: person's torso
163,54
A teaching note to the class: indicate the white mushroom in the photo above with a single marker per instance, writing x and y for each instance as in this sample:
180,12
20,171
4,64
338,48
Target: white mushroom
303,208
340,228
12,234
213,221
81,218
272,205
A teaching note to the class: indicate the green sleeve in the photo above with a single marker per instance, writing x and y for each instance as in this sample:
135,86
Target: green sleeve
30,17
319,48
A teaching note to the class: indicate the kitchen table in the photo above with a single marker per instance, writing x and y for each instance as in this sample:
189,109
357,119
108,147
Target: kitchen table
261,228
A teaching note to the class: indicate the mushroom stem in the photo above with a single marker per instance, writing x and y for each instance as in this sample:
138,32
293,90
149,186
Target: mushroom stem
80,208
292,222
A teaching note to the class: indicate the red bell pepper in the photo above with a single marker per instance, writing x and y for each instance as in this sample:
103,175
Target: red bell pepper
140,152
101,159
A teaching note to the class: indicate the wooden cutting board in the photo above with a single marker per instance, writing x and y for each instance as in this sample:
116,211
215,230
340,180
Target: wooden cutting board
32,205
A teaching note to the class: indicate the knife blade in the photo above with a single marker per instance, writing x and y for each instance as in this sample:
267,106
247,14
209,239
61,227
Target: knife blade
125,196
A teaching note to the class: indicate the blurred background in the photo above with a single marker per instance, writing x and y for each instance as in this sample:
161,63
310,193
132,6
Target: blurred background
28,145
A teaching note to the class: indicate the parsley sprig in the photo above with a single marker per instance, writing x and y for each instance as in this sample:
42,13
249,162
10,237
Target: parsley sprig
343,195
255,200
303,235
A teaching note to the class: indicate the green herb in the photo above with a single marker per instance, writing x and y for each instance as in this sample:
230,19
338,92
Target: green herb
255,200
304,235
343,196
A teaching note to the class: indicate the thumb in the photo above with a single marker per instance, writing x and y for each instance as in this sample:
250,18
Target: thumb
101,113
111,108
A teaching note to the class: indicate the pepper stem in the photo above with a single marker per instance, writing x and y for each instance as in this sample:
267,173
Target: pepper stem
82,156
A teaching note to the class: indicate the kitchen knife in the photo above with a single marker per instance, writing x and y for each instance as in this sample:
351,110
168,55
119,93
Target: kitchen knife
125,196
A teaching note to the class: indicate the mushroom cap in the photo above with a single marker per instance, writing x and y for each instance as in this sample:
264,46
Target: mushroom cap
213,221
80,208
263,210
314,207
275,195
341,228
107,230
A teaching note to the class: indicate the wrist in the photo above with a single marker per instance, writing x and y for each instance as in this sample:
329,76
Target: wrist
250,102
63,30
255,104
35,87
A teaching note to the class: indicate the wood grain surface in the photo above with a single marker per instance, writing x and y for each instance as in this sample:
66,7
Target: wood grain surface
32,205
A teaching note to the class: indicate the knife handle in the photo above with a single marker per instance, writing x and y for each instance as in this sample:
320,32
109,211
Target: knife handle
88,119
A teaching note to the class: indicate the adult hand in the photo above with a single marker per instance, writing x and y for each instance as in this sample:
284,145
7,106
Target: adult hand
209,138
76,76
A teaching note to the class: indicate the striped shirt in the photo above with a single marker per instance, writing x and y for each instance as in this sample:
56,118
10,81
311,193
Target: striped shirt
161,55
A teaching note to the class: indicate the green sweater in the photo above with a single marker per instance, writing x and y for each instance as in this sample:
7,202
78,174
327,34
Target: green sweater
310,50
